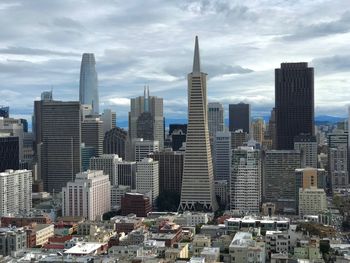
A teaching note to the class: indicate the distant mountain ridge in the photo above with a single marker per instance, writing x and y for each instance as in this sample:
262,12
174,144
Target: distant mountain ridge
123,123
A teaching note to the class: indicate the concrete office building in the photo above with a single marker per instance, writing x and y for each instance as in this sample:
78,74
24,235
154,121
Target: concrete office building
215,118
170,170
279,178
153,107
15,192
239,117
92,134
88,89
108,163
307,145
115,142
312,201
294,103
147,177
58,137
238,138
89,196
245,182
117,193
222,156
127,174
144,147
197,190
258,130
109,119
9,152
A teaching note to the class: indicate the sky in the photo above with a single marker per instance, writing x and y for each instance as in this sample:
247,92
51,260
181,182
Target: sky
150,42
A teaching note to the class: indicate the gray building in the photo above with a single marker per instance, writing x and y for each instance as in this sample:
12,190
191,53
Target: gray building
92,134
11,240
88,89
170,170
127,174
239,117
222,156
115,142
58,137
152,106
215,118
307,145
279,178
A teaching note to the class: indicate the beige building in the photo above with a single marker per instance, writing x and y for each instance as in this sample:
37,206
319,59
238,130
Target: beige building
258,130
88,196
199,243
312,201
147,177
197,192
244,249
43,232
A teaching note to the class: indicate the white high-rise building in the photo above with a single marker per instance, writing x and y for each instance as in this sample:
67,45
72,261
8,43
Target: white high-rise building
197,192
15,191
143,147
109,119
147,177
222,156
215,118
245,186
109,164
88,196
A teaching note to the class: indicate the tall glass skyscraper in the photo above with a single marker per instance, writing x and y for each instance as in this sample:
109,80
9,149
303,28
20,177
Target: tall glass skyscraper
88,90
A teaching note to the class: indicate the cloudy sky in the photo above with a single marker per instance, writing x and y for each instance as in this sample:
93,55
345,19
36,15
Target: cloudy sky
150,42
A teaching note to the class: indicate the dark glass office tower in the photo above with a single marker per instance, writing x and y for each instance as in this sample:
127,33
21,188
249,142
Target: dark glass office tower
9,153
294,103
239,117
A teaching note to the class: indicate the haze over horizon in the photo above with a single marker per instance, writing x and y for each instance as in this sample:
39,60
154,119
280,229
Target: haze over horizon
139,43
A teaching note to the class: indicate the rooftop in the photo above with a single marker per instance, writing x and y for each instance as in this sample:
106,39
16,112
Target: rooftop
84,248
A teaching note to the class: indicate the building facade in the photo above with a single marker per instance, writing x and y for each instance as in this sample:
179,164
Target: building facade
15,192
92,134
215,118
89,195
108,163
222,156
88,89
115,142
197,192
239,117
245,182
294,103
307,145
147,177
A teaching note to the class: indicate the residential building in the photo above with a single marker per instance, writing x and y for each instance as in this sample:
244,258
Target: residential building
15,192
279,178
244,249
89,195
12,240
245,181
197,192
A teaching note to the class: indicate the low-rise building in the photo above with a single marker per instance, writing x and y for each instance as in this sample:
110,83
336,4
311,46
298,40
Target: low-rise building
193,218
244,249
199,242
87,248
42,233
211,254
312,201
11,240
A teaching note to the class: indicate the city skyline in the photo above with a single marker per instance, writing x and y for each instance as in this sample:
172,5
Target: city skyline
241,53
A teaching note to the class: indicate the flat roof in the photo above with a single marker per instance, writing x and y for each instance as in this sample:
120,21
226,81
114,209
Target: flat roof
84,248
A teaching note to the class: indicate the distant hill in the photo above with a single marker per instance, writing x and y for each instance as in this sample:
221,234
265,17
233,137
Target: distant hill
321,119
